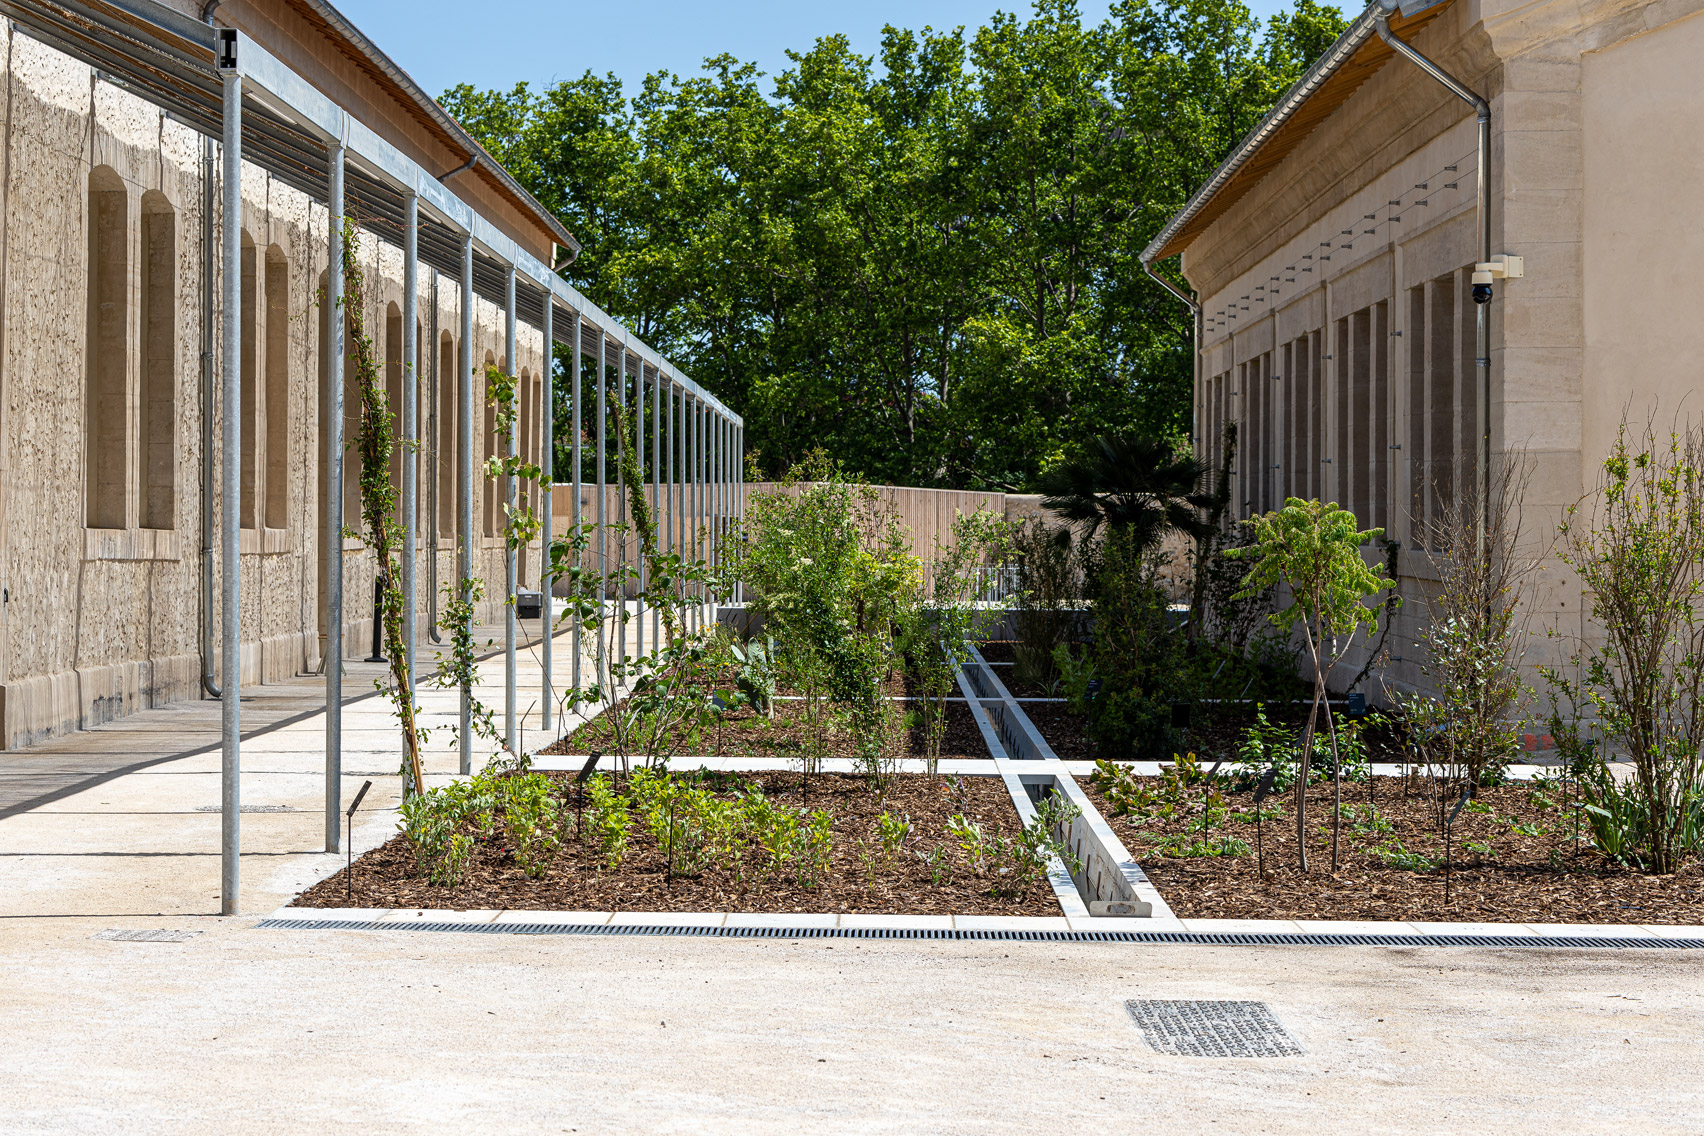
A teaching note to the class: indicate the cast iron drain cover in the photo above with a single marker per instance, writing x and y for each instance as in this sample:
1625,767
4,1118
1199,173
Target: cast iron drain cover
1212,1029
145,935
249,809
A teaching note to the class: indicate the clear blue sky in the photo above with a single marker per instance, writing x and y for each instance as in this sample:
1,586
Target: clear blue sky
498,43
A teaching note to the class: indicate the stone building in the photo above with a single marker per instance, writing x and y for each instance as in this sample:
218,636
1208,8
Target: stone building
110,229
1334,254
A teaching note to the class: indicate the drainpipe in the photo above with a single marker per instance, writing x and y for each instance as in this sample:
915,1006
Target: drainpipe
1482,275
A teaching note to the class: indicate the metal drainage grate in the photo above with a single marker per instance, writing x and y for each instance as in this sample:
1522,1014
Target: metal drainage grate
1212,1029
249,809
145,935
1202,938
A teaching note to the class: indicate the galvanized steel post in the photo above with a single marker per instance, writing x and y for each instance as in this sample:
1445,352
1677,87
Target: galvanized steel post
575,510
230,584
639,466
657,486
464,516
410,423
510,485
332,428
601,659
547,499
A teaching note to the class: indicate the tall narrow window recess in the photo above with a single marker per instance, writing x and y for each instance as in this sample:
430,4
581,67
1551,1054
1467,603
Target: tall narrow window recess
106,445
158,449
277,384
253,480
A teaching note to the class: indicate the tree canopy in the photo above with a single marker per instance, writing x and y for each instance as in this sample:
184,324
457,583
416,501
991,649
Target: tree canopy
925,262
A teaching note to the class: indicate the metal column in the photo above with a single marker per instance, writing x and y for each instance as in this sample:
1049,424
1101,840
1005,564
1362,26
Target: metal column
509,487
547,500
410,424
464,513
231,675
700,543
673,465
575,510
657,487
621,501
639,467
601,659
740,496
332,428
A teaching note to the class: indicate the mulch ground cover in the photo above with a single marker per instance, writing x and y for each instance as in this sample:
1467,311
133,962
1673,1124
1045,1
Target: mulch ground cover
745,733
578,880
1212,736
1515,860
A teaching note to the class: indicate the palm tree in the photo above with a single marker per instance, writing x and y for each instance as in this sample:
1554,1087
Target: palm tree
1138,485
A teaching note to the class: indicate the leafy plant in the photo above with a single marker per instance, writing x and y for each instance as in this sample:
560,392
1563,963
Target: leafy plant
892,832
608,819
1049,601
756,663
532,821
1075,675
1314,550
1474,639
935,631
1392,854
1266,745
1639,553
831,576
432,824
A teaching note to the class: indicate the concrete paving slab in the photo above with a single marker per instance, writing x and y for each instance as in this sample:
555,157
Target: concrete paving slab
1011,923
1242,926
567,918
898,922
764,919
1353,927
408,915
667,919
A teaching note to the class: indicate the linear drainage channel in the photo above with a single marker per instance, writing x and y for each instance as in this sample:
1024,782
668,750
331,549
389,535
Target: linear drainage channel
1195,938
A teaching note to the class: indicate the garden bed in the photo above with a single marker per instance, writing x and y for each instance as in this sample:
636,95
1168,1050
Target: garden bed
1515,861
859,877
744,732
1066,730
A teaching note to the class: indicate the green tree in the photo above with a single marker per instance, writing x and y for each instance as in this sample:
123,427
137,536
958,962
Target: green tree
924,261
1315,550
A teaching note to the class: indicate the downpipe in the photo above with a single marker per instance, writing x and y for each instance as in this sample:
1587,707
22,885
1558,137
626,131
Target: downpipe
1482,290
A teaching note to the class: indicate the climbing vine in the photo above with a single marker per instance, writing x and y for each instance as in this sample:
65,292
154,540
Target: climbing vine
376,442
520,523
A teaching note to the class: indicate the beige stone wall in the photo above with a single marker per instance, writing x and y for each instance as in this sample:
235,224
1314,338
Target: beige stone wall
1595,160
98,622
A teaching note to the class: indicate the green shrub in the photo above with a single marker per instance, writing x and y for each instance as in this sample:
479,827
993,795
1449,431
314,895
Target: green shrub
607,819
432,825
532,821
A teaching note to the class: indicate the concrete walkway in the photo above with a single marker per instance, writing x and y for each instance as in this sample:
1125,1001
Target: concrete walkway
124,819
243,1030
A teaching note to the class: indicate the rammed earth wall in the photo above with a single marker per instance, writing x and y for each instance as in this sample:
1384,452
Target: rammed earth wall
97,622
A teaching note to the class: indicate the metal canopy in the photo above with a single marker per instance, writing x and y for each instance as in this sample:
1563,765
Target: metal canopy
171,66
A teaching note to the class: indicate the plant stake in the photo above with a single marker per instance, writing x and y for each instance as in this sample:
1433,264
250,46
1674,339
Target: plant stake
1449,831
1260,792
349,844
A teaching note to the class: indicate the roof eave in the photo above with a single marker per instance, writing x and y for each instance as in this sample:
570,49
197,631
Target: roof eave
1340,52
357,40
